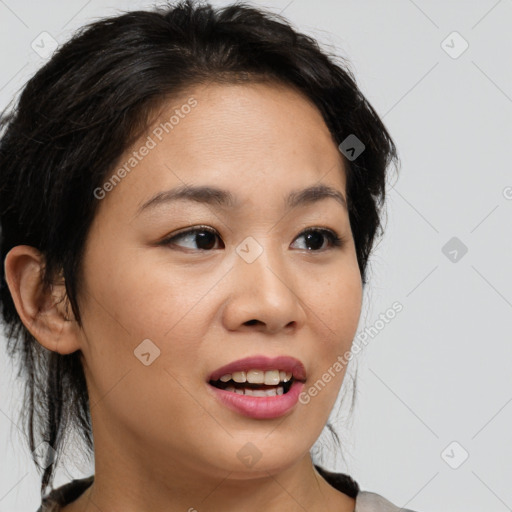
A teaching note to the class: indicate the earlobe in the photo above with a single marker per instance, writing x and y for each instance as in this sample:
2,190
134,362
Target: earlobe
44,312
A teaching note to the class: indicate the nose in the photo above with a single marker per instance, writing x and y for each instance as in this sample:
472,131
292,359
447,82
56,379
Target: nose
264,295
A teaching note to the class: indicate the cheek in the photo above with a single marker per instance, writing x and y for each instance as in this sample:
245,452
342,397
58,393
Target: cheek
141,298
129,301
337,303
335,311
146,295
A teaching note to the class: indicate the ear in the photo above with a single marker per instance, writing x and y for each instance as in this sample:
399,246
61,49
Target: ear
46,313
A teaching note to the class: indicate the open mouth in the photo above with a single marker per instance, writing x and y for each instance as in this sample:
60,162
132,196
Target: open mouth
251,389
259,387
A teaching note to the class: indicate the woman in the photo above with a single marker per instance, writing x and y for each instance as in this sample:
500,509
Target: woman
190,369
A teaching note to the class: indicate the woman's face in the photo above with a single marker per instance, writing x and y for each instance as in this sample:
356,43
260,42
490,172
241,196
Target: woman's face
160,315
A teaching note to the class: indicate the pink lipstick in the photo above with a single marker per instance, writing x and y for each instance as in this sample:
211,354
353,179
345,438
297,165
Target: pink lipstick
259,387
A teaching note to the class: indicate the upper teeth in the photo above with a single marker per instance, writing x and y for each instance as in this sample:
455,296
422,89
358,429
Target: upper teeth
270,377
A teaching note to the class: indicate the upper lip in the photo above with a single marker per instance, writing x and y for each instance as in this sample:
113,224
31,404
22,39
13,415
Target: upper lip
260,362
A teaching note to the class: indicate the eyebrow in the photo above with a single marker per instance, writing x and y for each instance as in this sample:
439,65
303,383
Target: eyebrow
220,197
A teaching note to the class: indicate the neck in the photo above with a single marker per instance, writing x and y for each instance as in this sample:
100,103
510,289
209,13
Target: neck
294,489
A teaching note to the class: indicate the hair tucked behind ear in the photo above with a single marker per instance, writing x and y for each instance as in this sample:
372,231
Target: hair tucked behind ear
83,109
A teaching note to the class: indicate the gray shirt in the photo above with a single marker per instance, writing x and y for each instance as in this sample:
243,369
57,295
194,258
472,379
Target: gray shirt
371,502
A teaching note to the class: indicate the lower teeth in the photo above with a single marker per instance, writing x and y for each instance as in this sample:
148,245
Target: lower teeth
257,392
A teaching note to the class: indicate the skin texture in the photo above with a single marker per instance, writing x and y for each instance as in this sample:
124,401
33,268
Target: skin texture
162,442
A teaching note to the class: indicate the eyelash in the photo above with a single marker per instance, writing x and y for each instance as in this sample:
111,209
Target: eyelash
335,240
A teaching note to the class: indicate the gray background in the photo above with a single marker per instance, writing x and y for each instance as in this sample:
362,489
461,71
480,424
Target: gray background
439,372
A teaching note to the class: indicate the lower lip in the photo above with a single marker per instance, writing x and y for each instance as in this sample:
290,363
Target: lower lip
260,407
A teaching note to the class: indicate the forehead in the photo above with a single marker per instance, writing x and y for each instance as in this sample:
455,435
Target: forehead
247,138
255,122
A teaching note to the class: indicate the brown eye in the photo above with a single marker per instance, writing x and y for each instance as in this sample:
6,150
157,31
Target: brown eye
315,238
203,238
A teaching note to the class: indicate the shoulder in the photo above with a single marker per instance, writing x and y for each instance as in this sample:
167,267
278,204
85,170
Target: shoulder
340,481
64,494
367,501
